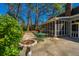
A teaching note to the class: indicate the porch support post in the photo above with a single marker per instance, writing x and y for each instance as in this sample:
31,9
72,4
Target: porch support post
64,28
58,29
70,29
78,30
48,29
52,28
55,29
61,28
55,35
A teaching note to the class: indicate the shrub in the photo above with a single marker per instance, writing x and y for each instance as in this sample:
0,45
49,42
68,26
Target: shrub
10,35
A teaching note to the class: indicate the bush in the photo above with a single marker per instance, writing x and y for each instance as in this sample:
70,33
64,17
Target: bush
10,35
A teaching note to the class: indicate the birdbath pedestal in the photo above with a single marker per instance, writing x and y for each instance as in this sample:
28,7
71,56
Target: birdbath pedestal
27,46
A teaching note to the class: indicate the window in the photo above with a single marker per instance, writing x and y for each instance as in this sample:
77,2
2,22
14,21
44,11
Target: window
75,27
77,35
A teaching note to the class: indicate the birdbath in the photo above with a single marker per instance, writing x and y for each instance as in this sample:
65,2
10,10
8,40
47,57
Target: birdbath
27,45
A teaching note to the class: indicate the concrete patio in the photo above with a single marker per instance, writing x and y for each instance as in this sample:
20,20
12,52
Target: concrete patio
53,47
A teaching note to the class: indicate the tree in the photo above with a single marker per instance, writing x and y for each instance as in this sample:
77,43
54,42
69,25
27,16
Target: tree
39,10
29,24
16,14
42,9
12,8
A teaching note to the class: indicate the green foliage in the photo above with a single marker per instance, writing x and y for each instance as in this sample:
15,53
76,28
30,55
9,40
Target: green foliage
40,36
10,35
57,6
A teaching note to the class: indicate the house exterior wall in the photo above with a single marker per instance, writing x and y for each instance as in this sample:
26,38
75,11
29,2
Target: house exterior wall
62,26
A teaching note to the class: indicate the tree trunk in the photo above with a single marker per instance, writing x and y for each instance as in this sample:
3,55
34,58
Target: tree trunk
36,21
18,10
29,24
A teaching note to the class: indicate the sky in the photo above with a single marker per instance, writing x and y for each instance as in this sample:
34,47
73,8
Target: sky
4,10
75,5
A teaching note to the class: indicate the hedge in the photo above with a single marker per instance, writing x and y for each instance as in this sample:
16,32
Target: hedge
10,35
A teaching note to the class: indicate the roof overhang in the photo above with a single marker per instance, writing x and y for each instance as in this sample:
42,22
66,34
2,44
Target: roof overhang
63,18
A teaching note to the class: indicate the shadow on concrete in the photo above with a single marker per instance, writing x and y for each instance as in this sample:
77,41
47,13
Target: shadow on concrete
71,39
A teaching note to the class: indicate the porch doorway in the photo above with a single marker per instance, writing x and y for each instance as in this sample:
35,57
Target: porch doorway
75,31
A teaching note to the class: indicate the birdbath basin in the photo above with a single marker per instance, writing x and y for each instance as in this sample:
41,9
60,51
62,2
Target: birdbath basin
28,45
